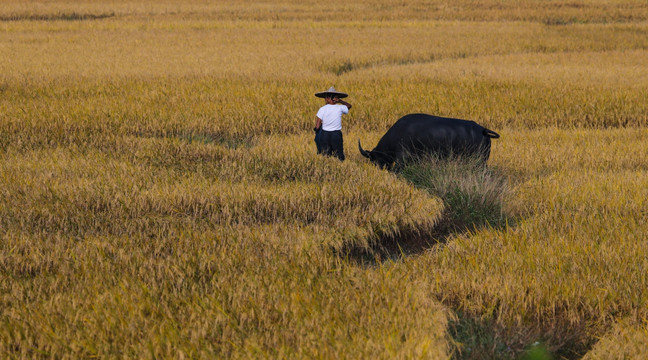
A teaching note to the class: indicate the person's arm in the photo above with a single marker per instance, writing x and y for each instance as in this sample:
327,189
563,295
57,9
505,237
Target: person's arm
318,123
340,101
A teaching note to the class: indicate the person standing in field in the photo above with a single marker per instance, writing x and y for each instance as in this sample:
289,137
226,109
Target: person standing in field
328,123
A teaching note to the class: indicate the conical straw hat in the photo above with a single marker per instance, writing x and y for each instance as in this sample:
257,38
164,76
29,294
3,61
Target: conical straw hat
331,91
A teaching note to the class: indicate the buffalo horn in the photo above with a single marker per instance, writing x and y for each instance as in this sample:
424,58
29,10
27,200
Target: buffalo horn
364,153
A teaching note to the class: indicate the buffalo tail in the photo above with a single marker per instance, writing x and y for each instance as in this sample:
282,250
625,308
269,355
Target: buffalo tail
491,134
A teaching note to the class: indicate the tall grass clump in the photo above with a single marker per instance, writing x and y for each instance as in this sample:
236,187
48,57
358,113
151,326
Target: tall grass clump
472,193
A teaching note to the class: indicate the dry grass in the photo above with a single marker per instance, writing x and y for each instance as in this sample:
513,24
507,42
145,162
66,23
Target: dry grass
160,196
574,261
627,340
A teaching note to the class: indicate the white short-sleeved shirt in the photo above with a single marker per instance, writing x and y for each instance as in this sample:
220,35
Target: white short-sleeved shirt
331,116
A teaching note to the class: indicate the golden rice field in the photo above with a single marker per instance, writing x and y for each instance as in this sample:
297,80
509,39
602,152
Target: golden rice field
160,195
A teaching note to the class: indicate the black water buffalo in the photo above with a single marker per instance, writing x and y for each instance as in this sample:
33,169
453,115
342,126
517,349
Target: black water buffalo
422,134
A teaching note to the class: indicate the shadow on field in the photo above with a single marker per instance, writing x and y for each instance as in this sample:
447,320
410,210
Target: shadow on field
65,16
473,195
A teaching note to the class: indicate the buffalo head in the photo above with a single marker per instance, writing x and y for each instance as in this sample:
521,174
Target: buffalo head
383,160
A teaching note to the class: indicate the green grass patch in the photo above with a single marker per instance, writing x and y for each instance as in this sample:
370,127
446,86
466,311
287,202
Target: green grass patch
472,192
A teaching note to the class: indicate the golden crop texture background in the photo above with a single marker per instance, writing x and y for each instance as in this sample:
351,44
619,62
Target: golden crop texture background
160,195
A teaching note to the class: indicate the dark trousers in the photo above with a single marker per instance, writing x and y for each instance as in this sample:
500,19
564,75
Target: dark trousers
330,143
